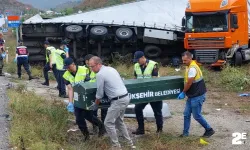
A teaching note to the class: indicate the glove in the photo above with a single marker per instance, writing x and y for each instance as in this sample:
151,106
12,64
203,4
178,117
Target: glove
66,49
3,55
182,95
15,60
94,106
70,107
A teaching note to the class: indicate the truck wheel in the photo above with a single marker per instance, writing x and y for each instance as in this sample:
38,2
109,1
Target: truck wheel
98,32
152,51
124,34
74,31
238,59
73,28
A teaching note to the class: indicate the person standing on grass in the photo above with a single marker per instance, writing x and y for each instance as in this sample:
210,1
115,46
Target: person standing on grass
59,56
74,75
2,54
195,90
91,77
22,60
109,82
145,69
50,64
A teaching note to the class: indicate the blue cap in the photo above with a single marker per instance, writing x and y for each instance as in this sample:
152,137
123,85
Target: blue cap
46,42
67,62
138,55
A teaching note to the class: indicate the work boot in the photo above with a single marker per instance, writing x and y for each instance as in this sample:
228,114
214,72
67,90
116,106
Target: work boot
183,135
208,133
45,83
138,132
102,130
159,130
63,95
95,129
30,78
86,135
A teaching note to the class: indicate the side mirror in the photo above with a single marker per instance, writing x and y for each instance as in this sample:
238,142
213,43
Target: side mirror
234,21
183,28
183,22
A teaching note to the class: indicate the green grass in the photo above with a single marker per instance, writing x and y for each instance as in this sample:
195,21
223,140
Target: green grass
39,124
35,121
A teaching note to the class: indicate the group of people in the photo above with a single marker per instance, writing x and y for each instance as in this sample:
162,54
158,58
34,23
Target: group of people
55,62
110,85
21,57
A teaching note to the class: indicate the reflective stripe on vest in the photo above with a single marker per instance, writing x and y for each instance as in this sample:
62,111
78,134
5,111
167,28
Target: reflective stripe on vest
58,59
51,49
79,77
147,72
198,76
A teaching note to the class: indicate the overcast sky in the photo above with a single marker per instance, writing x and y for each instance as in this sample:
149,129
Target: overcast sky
44,4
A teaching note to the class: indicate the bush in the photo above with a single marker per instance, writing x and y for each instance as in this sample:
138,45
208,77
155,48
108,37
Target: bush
234,79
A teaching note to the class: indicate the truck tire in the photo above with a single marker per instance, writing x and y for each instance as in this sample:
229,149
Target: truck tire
98,33
152,51
74,31
124,34
238,59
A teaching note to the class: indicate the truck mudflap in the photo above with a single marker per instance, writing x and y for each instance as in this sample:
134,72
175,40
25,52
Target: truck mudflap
218,63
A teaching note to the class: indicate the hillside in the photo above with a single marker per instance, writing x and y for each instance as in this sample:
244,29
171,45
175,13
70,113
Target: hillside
15,7
45,4
92,4
69,4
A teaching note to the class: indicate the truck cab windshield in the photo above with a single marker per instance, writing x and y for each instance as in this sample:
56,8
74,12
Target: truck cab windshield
216,22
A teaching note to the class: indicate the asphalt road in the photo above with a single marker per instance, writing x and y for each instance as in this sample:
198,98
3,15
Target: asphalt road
4,130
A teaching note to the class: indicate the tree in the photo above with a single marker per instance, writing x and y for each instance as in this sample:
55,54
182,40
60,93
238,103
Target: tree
69,11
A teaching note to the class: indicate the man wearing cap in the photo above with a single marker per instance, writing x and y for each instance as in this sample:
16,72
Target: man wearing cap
22,60
143,69
110,82
2,53
73,76
59,56
65,48
91,77
49,62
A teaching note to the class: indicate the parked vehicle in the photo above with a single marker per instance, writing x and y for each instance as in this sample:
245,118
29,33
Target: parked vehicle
219,33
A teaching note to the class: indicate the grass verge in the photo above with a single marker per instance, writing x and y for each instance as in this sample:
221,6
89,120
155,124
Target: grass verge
35,123
39,124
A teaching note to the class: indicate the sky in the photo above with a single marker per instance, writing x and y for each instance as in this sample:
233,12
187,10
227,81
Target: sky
44,4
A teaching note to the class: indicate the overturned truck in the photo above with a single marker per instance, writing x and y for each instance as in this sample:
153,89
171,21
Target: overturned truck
153,26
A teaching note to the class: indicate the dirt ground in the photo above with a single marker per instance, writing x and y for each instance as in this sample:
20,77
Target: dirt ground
217,109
